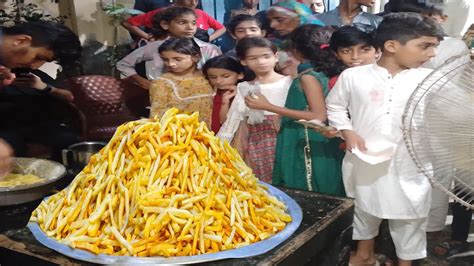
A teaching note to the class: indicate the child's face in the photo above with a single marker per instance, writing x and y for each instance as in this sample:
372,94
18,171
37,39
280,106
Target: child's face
182,26
223,79
251,3
317,6
260,59
248,28
187,3
178,63
357,55
413,53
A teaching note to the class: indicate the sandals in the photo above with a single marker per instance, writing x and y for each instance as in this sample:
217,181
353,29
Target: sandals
449,248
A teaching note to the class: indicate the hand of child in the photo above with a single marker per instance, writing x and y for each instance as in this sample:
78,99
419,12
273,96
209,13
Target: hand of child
257,101
353,141
228,95
144,83
329,134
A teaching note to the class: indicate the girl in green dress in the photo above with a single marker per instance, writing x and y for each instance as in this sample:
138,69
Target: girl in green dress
304,158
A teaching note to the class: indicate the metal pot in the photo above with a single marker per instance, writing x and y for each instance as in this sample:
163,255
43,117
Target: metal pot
77,156
47,170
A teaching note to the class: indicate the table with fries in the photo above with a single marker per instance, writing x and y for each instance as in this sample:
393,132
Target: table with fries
324,235
167,190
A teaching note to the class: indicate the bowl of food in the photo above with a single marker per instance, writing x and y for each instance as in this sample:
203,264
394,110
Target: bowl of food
30,179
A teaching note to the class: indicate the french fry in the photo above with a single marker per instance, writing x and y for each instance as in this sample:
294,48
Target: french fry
164,187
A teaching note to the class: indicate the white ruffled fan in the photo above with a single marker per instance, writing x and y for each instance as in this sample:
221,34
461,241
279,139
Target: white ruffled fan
439,128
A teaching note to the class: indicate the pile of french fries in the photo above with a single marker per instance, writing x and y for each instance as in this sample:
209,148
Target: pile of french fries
162,187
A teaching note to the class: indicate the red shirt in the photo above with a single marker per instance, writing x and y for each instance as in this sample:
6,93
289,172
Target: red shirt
216,109
204,21
332,82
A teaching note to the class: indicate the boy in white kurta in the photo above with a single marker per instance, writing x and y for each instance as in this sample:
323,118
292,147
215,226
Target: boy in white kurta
367,105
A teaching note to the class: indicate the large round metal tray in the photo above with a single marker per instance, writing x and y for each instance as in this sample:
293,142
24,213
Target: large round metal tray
47,170
247,251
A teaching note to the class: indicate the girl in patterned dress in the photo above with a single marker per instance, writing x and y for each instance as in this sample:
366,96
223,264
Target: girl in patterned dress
254,132
183,86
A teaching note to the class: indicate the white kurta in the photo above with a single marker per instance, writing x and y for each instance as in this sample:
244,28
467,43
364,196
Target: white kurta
375,100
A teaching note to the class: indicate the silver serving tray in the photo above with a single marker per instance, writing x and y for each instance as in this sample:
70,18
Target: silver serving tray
251,250
47,170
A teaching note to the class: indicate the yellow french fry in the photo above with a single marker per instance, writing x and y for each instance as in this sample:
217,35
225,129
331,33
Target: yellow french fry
163,187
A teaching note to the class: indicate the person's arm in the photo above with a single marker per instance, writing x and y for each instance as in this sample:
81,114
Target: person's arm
6,77
134,23
216,34
6,158
126,66
208,51
226,101
218,28
314,95
233,119
134,30
33,81
337,104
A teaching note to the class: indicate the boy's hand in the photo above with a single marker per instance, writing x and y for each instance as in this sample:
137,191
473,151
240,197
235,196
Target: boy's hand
6,77
353,141
257,101
29,81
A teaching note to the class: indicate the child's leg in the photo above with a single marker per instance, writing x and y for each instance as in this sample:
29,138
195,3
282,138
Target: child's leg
409,237
366,228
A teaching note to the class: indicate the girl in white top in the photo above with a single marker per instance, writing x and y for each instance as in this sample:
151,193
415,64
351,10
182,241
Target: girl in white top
254,132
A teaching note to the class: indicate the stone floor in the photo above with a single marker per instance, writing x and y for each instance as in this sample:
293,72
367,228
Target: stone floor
464,259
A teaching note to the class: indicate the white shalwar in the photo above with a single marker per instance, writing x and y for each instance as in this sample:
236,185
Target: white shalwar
383,180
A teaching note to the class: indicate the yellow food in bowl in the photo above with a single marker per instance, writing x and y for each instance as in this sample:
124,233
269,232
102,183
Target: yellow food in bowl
14,180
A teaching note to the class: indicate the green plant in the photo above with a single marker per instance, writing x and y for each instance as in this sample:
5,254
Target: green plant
117,13
21,12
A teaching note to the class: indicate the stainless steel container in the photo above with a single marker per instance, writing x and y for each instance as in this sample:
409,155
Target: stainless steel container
77,156
47,170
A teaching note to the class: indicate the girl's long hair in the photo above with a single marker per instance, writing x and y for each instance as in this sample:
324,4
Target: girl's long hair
181,45
312,41
167,15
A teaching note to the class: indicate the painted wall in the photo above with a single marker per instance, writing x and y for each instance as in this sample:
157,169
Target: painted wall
86,18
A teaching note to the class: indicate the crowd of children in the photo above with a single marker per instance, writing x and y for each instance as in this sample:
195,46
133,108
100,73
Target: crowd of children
330,69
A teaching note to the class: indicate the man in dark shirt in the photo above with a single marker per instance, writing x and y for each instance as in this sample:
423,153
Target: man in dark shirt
30,45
